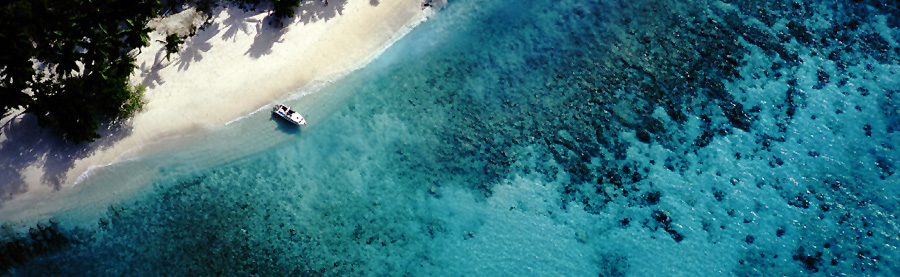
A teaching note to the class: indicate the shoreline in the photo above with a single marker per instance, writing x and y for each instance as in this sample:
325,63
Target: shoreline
233,68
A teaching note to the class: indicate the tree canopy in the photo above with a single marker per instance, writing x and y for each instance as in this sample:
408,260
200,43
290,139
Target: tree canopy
80,49
67,61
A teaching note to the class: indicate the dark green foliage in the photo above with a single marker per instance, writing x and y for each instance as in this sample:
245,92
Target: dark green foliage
280,8
134,102
172,42
84,46
284,8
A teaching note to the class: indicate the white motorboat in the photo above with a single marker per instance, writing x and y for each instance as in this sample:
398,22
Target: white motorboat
289,114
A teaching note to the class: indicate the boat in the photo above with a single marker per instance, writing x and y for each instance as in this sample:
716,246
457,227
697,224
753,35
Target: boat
289,114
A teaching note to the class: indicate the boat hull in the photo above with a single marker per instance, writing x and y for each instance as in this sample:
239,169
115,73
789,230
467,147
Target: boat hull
288,114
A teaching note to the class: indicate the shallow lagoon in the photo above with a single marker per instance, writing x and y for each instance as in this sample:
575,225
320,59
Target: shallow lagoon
538,138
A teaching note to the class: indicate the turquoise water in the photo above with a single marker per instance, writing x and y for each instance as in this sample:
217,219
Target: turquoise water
559,138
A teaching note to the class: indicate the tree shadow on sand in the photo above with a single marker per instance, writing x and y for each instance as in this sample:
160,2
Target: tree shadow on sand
195,46
151,73
312,11
237,21
267,34
270,32
30,146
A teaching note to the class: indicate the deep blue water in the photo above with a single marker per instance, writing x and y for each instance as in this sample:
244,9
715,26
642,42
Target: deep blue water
560,138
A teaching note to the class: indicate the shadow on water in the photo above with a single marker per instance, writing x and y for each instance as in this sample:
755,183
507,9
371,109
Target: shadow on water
284,126
46,154
30,146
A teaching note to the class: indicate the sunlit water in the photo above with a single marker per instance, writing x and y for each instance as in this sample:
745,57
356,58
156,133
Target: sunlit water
557,138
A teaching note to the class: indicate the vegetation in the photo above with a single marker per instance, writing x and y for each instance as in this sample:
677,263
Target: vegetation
67,61
284,8
172,42
280,8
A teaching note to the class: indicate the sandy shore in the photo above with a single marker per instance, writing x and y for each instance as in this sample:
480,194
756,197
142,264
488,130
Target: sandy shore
236,65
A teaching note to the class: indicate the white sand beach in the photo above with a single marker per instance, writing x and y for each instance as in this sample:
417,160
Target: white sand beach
236,65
